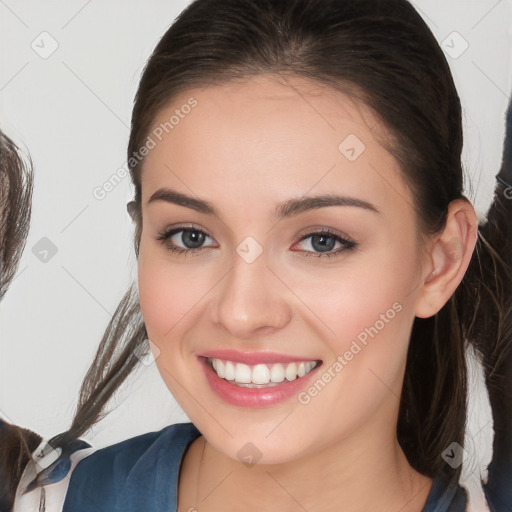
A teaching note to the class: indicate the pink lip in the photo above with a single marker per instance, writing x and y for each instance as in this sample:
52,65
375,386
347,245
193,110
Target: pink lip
254,397
253,358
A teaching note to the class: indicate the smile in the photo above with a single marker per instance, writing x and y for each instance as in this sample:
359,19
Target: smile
261,380
260,375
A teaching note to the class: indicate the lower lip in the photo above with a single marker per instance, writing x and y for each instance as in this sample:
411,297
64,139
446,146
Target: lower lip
254,397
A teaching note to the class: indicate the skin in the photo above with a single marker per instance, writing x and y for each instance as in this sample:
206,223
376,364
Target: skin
244,148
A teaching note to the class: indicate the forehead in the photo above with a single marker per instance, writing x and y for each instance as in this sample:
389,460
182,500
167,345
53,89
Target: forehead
272,137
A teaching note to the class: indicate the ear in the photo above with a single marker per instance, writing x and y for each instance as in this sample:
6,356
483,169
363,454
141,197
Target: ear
130,207
448,258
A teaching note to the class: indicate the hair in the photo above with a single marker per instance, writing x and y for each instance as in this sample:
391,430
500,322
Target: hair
16,185
484,304
383,54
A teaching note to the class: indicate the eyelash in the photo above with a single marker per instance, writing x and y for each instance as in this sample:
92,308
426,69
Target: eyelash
347,244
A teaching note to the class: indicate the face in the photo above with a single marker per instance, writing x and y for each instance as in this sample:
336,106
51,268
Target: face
255,277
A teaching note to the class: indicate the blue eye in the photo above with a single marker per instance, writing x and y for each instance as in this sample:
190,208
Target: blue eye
192,239
320,245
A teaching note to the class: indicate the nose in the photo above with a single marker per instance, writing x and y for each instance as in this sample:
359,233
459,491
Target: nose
252,300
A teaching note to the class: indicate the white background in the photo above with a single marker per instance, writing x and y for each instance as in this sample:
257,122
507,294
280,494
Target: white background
72,111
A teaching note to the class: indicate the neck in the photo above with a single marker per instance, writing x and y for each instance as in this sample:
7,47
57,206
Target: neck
366,471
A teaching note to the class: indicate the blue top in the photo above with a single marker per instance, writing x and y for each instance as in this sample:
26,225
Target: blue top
141,474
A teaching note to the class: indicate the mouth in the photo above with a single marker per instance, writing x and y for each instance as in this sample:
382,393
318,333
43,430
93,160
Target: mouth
260,375
264,383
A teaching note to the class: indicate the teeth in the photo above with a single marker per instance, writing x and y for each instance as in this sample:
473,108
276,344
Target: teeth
260,374
242,373
277,373
229,370
291,371
219,368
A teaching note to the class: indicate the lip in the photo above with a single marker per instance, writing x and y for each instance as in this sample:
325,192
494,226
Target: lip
255,398
253,358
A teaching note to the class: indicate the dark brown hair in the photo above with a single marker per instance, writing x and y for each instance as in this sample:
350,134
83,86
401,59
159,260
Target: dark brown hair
16,185
381,53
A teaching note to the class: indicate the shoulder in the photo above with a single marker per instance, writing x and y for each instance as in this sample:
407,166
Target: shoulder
120,458
99,479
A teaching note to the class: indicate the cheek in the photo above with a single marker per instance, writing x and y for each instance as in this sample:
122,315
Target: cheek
371,316
366,310
371,306
368,295
170,299
168,292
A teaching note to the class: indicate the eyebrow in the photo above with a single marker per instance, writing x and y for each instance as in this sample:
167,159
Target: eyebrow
283,210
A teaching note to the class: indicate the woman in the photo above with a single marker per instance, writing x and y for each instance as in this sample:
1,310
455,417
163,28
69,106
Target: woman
276,146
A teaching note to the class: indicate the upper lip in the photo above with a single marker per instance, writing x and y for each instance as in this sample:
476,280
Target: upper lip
253,358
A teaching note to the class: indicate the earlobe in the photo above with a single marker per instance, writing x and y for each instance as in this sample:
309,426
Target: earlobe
449,257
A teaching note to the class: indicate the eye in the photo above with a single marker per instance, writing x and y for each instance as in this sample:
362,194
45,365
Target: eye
320,244
317,244
183,239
